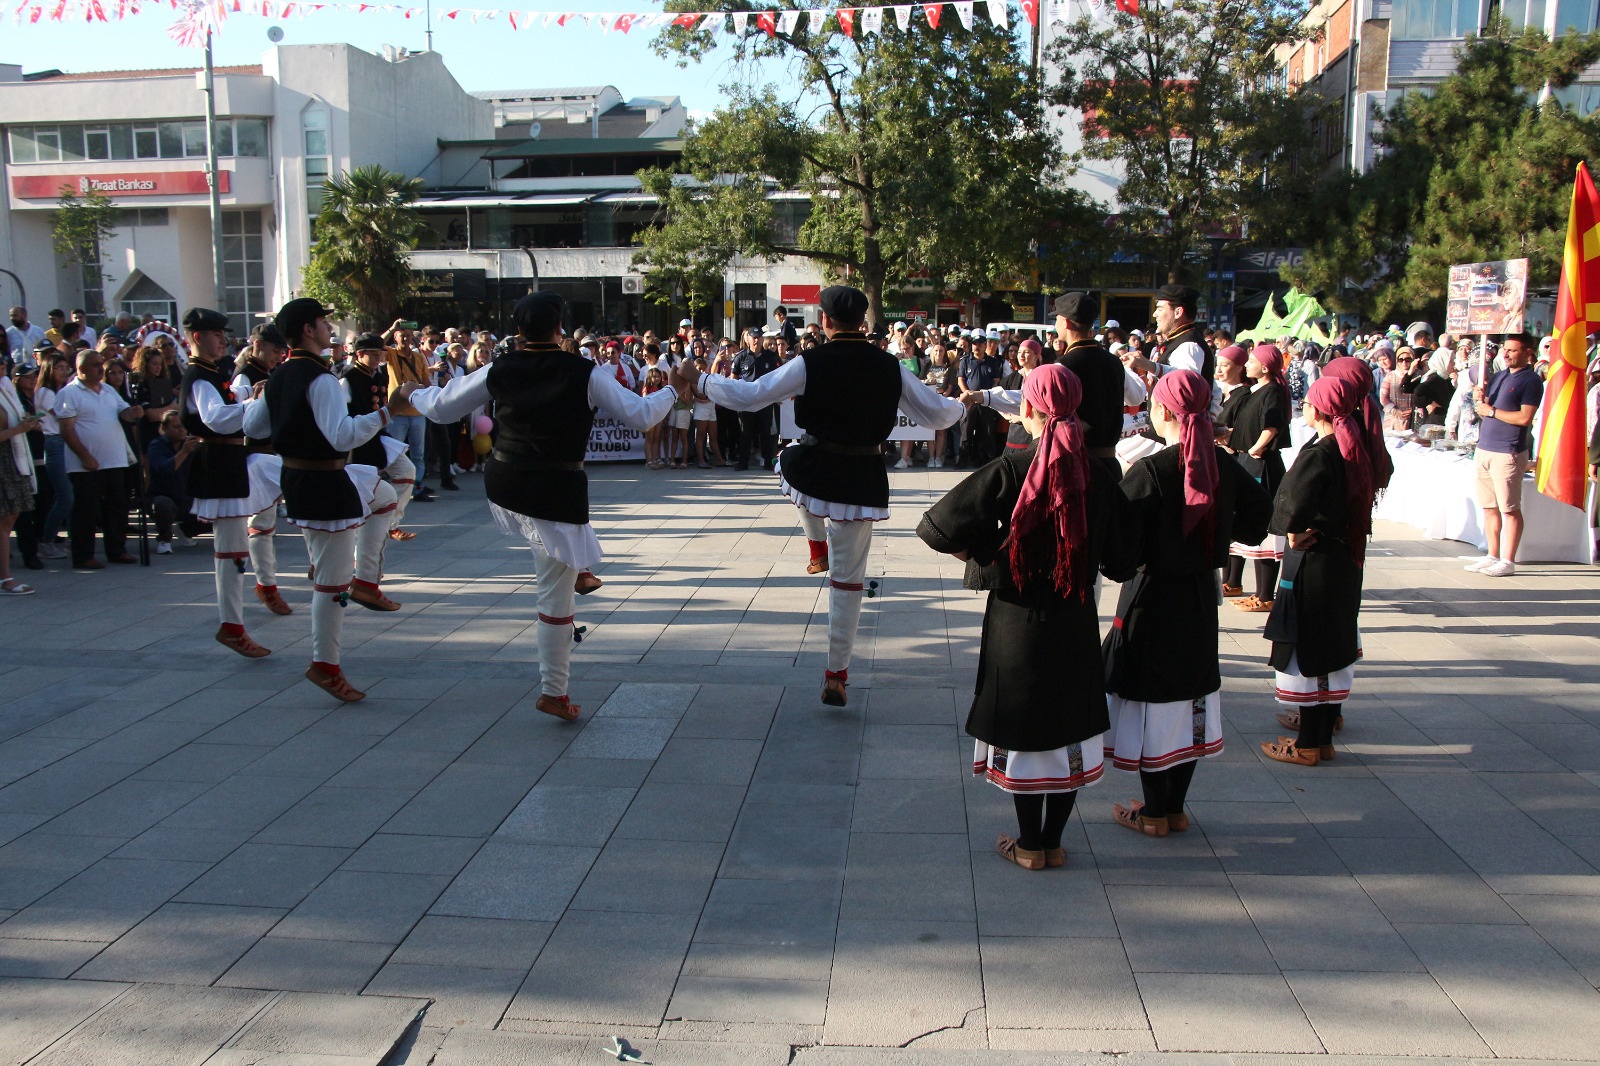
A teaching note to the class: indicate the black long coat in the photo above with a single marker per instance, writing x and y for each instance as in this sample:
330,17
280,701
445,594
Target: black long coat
1163,645
1328,586
1040,684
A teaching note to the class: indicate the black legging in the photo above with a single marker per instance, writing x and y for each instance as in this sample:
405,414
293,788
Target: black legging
1041,818
1266,576
1165,790
1316,725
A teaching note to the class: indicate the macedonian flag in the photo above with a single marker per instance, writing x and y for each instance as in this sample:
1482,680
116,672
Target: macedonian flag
1563,441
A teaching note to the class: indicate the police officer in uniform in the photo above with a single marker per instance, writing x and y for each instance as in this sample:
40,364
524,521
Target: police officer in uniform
329,498
847,395
226,482
545,402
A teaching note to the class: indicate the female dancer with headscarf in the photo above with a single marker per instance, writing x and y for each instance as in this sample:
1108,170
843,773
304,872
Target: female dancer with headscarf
1324,507
1258,430
1185,502
1032,526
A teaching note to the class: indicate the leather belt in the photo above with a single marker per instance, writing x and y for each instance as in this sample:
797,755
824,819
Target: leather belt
842,449
313,464
535,461
223,440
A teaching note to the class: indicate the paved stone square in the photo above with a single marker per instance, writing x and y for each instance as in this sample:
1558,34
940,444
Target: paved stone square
204,859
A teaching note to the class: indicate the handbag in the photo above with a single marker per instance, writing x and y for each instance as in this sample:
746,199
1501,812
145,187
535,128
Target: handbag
1283,624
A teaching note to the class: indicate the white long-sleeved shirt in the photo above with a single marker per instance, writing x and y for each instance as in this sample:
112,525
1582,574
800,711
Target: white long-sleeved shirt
223,419
465,395
331,411
917,400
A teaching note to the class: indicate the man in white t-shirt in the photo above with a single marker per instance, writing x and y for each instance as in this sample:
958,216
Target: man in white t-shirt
23,335
86,332
91,415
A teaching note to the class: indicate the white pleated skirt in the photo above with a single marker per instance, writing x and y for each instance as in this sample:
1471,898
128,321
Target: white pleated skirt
1058,770
1159,736
266,472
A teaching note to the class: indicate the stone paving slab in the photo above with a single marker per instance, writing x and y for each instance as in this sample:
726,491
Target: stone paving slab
202,860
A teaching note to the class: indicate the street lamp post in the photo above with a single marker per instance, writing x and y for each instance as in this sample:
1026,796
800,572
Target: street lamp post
213,181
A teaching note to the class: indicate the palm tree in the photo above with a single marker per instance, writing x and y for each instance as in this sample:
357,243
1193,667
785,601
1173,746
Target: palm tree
363,232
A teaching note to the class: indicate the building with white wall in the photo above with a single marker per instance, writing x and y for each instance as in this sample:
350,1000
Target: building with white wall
303,113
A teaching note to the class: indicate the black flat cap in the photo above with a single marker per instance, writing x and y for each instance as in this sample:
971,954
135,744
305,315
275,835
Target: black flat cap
1179,295
370,342
1078,307
845,304
297,314
538,314
203,318
269,334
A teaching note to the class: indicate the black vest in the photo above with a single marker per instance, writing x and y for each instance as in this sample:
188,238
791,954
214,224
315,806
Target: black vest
1208,365
367,394
256,376
851,401
1103,377
541,402
216,471
308,495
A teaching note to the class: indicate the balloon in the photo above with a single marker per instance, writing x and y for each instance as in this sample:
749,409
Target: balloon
481,444
483,425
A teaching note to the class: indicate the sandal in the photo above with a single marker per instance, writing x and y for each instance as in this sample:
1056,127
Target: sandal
1178,823
1284,750
833,693
1055,858
401,534
1006,848
12,587
1232,591
1129,818
1291,720
819,565
559,706
586,583
335,685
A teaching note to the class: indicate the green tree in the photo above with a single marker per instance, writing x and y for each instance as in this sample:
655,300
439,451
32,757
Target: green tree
1186,97
920,151
363,233
1478,170
82,223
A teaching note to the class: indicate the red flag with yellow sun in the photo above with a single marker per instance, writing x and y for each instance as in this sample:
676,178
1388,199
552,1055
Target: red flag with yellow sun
1562,470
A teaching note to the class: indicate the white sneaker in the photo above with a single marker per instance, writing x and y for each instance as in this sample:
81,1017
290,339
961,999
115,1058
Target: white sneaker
163,547
1486,561
936,464
184,540
1499,568
904,464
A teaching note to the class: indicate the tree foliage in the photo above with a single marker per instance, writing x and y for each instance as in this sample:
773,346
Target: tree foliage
920,151
363,232
82,223
1478,170
1185,96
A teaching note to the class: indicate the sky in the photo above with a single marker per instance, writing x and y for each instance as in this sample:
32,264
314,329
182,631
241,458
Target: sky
483,55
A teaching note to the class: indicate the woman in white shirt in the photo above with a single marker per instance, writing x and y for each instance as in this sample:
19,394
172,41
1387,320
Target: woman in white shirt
55,371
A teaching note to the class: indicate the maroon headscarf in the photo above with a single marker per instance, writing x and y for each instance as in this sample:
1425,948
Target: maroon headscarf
1233,353
1050,522
1272,361
1359,374
1188,397
1340,400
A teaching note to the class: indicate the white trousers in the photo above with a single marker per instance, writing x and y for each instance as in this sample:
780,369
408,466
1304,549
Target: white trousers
373,536
557,602
403,477
231,545
849,543
263,549
332,561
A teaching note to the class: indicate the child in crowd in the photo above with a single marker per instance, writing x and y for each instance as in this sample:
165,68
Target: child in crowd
705,425
654,382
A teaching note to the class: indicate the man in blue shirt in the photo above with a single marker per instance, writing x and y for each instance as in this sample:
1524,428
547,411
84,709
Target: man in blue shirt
168,456
981,370
1507,406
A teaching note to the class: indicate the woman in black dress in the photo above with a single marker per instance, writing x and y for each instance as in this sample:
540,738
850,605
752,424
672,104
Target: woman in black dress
1258,430
1032,526
1184,503
1324,507
1434,392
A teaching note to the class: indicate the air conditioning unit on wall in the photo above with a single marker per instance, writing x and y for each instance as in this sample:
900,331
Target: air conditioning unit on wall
633,285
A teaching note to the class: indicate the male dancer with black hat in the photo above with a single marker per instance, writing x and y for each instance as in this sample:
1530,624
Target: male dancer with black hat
366,388
847,395
267,349
545,402
329,498
227,483
1106,382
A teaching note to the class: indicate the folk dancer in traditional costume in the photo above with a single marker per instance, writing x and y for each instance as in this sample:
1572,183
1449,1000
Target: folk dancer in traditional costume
1184,501
1105,381
545,403
847,393
1256,430
267,350
1324,507
1032,526
1358,373
327,496
365,385
228,483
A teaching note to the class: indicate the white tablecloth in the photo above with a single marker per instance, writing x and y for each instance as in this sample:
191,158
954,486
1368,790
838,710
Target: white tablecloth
1436,493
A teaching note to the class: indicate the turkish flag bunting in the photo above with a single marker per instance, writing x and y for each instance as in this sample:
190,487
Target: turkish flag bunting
767,21
847,21
1130,6
1031,9
625,22
451,14
686,21
933,11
